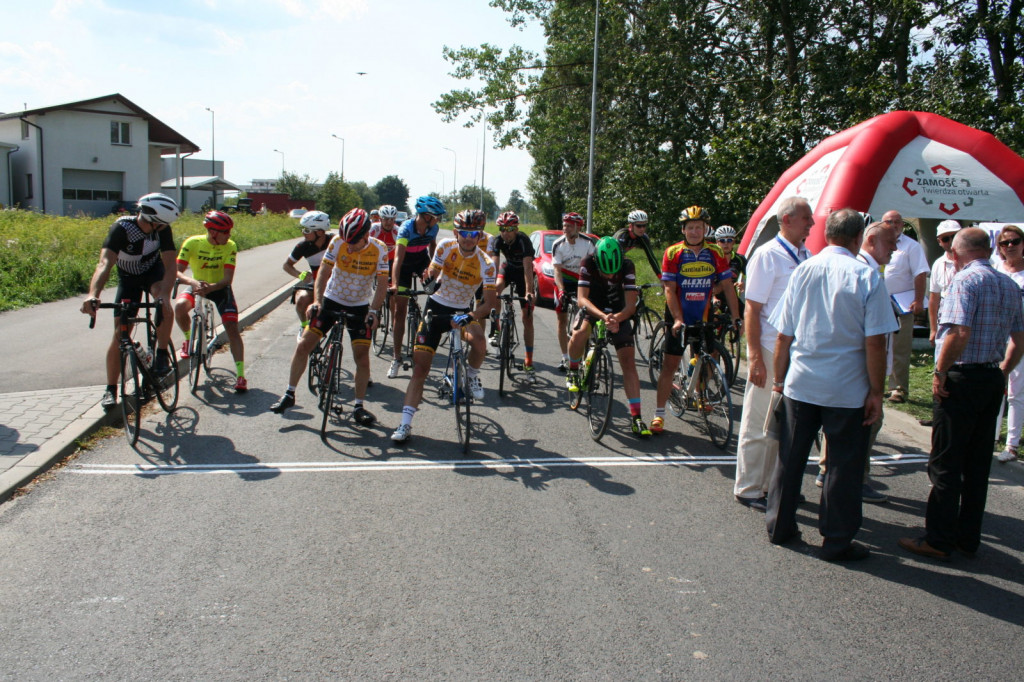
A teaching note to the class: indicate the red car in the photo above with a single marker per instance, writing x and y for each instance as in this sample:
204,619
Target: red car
543,270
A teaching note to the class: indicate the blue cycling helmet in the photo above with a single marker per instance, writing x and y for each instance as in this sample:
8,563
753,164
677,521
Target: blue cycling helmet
429,204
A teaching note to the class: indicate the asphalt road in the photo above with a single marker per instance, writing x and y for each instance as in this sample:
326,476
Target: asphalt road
235,545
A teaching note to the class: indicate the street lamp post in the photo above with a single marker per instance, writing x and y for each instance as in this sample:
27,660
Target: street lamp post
282,160
213,155
438,170
455,170
593,119
342,155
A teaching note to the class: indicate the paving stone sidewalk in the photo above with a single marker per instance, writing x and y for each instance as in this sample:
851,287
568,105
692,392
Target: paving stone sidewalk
28,420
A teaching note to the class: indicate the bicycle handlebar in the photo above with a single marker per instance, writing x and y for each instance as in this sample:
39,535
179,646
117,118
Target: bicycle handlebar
121,306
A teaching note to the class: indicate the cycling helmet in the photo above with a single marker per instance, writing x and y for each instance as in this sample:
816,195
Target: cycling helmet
158,208
315,220
388,211
374,212
354,225
725,232
476,220
637,216
608,255
508,219
573,219
218,220
459,221
694,213
429,204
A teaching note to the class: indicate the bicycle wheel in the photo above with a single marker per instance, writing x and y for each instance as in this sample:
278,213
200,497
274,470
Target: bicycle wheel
725,360
196,348
644,323
600,386
412,321
167,385
380,334
656,352
131,395
208,337
329,384
714,403
577,397
463,401
513,345
504,353
733,341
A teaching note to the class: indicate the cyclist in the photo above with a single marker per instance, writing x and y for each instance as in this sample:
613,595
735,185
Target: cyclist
517,271
635,234
212,259
608,282
414,247
353,265
725,237
315,238
374,220
142,248
460,266
386,232
567,253
689,271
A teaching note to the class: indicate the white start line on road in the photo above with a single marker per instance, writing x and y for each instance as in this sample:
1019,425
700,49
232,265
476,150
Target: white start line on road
448,464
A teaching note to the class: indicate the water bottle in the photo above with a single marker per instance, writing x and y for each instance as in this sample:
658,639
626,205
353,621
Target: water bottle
145,357
590,358
693,363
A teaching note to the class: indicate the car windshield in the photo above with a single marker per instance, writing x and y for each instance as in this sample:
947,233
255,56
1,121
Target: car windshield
549,240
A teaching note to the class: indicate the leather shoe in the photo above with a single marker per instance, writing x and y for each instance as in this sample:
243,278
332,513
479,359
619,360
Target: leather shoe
757,503
852,552
921,547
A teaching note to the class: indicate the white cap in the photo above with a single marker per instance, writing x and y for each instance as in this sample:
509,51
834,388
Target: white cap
947,227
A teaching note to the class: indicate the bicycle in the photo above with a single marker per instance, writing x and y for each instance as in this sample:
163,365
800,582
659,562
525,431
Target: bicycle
699,382
508,340
729,337
454,385
380,335
413,317
327,369
137,376
202,342
645,320
596,382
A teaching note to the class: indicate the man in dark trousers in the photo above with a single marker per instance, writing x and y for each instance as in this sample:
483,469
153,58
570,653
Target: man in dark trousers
980,311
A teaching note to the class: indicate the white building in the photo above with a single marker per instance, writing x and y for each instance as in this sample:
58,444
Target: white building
87,156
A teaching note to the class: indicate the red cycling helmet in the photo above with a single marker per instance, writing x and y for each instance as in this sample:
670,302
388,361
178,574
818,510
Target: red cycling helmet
218,220
573,219
354,225
508,219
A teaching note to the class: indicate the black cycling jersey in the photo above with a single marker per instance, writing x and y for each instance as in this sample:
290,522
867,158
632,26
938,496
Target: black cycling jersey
515,251
627,241
738,264
310,251
607,292
137,252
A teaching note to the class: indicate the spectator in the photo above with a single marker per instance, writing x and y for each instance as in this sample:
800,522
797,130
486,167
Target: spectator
768,272
830,367
982,308
905,278
943,270
1011,251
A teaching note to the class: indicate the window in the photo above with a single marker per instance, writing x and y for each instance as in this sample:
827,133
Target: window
120,132
24,130
28,185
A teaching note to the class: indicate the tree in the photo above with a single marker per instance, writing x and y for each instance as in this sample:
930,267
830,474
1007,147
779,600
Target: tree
392,190
366,194
336,197
299,188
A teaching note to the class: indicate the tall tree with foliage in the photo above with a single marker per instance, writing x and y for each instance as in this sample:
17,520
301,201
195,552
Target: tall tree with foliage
302,188
392,190
337,197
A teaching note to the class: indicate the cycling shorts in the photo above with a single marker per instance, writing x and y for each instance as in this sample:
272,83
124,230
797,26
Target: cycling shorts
623,338
675,345
224,299
132,286
355,321
412,267
514,277
428,336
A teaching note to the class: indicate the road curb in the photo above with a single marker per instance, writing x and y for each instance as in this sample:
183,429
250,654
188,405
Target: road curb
95,417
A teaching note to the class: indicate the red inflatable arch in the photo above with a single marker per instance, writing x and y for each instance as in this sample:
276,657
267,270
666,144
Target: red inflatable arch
920,164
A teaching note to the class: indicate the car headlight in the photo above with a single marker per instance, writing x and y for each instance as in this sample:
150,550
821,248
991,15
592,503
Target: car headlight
547,269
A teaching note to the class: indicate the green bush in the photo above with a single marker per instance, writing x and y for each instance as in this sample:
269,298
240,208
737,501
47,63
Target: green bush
47,258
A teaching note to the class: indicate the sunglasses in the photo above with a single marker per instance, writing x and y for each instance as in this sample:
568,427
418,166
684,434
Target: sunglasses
946,238
727,240
644,225
1011,242
306,230
469,234
507,229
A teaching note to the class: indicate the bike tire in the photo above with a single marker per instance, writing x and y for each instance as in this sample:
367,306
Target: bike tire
680,381
196,348
504,353
208,339
513,345
167,385
728,366
131,396
315,367
715,403
644,324
463,401
328,386
380,334
656,353
600,388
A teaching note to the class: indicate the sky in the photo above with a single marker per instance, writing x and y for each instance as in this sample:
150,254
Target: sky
278,74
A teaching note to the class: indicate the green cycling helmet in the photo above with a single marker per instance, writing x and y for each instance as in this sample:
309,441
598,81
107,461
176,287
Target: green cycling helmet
608,255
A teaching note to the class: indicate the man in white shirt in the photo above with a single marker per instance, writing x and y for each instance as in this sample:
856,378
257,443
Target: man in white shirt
943,270
906,277
768,272
830,368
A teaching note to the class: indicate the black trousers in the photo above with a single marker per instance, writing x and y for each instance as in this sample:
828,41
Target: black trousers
963,431
839,516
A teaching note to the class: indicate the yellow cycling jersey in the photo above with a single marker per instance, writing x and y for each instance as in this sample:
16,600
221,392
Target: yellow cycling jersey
207,261
353,273
461,275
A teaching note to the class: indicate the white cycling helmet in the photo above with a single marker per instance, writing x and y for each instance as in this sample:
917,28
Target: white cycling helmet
388,211
158,208
725,232
637,216
315,220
